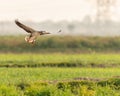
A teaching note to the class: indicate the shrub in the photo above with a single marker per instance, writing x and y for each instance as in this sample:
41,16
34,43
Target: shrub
8,90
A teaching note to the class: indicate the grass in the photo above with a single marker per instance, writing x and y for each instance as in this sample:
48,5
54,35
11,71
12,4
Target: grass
59,74
60,60
34,81
17,75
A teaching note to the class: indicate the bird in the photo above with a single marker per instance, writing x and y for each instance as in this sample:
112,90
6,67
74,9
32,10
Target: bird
33,34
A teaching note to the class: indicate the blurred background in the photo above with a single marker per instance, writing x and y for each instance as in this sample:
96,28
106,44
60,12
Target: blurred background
92,24
79,17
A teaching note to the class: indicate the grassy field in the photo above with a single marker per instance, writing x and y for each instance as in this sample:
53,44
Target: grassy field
17,75
60,60
60,66
59,81
59,74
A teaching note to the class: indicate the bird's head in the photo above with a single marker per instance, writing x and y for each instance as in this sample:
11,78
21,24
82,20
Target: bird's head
44,32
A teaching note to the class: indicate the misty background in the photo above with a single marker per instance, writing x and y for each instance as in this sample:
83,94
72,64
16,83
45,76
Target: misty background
85,28
72,17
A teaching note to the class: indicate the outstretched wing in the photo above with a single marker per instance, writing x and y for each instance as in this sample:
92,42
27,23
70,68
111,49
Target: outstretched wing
26,28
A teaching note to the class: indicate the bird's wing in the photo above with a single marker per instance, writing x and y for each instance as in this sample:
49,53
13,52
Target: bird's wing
26,28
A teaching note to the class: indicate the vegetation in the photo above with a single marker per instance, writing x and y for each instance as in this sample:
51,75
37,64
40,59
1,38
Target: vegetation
72,88
59,82
48,81
55,67
17,75
60,60
68,44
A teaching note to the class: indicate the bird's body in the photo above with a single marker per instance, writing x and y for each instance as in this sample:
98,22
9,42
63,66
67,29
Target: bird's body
33,33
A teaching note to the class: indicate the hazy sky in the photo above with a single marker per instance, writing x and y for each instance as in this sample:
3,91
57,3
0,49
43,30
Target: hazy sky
40,10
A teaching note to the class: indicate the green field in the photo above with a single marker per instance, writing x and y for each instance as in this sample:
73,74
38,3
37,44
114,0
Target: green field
17,75
33,81
59,74
60,60
60,66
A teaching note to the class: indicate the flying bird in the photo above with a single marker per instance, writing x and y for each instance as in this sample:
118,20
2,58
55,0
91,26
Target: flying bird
33,33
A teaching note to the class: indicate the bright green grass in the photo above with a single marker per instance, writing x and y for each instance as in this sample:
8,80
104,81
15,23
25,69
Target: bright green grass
17,75
10,78
60,60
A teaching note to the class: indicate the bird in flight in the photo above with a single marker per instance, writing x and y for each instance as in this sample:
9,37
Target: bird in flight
33,33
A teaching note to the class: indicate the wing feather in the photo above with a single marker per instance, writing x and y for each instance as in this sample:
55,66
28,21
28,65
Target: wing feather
26,28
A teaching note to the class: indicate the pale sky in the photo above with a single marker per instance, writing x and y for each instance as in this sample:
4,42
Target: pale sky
56,10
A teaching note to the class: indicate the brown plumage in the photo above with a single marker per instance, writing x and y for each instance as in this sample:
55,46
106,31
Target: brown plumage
33,33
